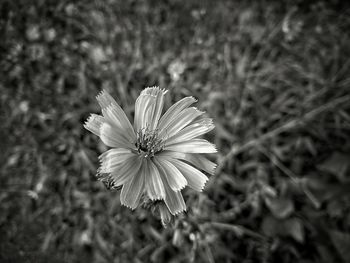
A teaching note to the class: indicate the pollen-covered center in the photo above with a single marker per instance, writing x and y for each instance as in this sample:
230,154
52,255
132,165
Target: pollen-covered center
148,143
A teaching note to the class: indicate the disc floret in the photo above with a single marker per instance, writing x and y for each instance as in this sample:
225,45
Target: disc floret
148,142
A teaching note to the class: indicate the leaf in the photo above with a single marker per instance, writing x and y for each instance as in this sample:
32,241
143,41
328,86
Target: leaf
324,191
295,229
341,242
280,207
337,164
291,227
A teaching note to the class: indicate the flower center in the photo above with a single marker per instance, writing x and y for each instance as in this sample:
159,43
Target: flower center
148,143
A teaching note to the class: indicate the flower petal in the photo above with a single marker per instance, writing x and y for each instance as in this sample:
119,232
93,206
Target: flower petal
157,107
112,138
94,123
184,118
126,171
154,183
111,159
165,215
173,176
173,200
104,99
132,190
195,178
195,159
174,110
192,146
192,131
114,113
201,162
148,108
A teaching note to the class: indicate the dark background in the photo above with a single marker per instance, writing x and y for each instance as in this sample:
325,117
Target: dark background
274,76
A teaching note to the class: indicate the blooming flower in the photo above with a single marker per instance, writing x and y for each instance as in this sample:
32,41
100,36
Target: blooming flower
158,155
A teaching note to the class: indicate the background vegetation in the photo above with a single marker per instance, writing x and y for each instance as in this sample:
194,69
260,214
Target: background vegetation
273,75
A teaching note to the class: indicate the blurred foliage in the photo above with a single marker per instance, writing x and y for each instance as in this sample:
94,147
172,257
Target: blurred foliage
273,75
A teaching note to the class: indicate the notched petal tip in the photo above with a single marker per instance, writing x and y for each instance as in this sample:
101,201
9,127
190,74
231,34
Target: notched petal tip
153,91
100,93
94,123
179,188
192,98
206,180
104,99
179,212
204,185
130,207
157,198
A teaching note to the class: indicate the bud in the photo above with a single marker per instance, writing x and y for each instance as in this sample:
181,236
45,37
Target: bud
165,215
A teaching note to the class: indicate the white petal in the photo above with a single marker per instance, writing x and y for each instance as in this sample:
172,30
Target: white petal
148,108
195,159
165,215
184,118
192,131
132,190
111,159
112,138
154,183
201,162
157,108
173,200
192,146
94,123
104,99
116,116
126,170
195,178
174,110
173,176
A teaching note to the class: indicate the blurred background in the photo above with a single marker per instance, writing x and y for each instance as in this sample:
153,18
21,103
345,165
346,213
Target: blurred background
274,76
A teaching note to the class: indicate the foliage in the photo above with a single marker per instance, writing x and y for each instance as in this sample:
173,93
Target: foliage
274,77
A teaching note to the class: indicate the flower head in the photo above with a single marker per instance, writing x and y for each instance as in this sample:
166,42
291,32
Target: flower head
156,157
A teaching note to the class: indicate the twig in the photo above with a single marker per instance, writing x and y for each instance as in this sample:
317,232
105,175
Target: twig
294,178
284,127
279,165
238,230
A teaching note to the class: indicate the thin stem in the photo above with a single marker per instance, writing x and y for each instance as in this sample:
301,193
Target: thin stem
237,229
294,178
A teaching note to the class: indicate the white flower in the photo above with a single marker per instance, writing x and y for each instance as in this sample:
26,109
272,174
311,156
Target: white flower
157,156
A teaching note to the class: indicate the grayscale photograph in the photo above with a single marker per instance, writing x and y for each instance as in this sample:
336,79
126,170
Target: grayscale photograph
174,131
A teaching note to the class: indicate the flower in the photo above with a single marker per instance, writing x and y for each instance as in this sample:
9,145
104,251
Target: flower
157,156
